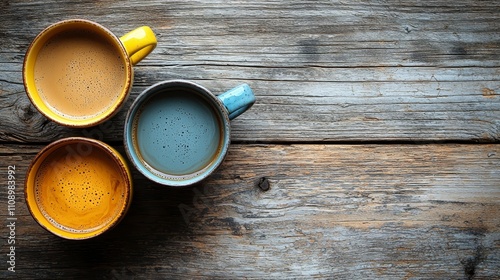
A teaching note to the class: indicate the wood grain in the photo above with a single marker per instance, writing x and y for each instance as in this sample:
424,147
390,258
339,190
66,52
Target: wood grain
331,71
331,211
371,153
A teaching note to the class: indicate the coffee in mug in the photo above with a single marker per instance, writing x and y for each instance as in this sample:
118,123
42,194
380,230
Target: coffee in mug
86,73
78,188
77,73
177,132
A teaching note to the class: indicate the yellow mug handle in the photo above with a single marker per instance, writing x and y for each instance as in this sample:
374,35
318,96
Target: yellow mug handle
139,43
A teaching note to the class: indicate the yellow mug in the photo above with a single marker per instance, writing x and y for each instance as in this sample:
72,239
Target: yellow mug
78,188
79,74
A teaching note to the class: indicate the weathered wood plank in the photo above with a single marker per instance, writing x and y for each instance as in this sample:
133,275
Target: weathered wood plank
331,211
372,70
324,110
262,33
335,71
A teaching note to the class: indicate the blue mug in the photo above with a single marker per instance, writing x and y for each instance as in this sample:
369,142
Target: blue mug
177,132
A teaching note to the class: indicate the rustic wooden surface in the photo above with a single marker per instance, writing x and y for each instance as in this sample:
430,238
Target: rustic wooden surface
372,151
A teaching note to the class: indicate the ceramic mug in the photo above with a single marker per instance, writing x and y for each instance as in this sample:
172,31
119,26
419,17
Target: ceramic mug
177,132
78,188
79,74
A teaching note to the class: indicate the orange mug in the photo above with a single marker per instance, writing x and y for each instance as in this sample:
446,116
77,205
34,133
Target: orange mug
78,188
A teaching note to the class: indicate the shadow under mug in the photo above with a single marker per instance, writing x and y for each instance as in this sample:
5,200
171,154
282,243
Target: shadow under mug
79,74
177,132
78,188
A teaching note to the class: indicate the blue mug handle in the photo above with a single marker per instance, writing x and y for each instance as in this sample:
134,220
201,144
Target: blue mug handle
237,100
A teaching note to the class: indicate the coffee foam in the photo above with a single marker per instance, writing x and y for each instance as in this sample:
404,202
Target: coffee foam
79,74
79,194
189,133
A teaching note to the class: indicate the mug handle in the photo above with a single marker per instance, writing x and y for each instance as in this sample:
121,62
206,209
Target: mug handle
139,43
237,100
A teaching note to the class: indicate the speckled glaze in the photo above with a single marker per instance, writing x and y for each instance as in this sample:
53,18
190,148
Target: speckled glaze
177,132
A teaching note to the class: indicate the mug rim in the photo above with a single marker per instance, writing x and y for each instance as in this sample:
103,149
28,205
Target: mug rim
28,74
31,175
164,178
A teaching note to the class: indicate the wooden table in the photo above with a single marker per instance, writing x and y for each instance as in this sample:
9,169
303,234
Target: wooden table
372,151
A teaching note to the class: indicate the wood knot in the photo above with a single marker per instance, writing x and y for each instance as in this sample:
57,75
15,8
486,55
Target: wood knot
26,112
470,263
488,93
264,184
